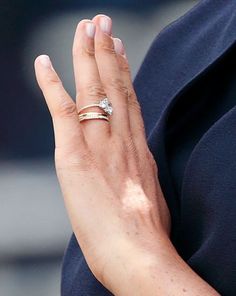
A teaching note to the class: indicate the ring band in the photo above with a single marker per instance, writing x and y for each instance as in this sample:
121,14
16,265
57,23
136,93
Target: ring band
104,104
93,115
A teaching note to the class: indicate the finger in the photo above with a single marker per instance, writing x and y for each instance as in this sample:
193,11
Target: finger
88,84
110,75
135,114
62,108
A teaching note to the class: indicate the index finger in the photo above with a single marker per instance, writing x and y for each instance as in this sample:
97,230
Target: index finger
61,106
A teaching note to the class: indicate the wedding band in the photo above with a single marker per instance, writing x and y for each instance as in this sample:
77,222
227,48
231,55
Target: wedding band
104,104
93,115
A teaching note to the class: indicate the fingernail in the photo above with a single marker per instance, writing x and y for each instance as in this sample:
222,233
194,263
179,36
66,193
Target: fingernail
45,61
106,24
118,45
90,30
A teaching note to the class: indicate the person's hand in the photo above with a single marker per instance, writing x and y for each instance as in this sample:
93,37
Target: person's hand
107,174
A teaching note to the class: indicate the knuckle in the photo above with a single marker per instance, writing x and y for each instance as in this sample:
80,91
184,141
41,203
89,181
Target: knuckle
93,90
83,51
141,130
133,103
89,51
52,79
66,108
125,66
106,46
117,84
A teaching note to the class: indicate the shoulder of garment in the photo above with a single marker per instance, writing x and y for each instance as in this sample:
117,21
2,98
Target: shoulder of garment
181,52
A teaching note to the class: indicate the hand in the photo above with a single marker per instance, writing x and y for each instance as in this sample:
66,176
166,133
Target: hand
106,172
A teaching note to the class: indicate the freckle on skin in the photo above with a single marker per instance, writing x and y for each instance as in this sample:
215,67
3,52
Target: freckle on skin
184,290
136,233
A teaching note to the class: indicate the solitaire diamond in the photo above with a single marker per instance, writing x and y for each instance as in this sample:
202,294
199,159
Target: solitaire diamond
106,106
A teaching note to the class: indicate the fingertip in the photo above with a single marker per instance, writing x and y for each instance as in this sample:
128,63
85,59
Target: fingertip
43,69
104,23
98,16
44,61
119,46
82,23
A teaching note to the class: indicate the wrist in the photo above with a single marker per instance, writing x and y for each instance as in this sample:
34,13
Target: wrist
134,270
162,272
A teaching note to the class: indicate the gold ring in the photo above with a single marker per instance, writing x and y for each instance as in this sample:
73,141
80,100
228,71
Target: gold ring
93,115
104,104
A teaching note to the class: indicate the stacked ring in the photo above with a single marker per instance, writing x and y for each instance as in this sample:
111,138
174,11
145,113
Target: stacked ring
93,115
104,104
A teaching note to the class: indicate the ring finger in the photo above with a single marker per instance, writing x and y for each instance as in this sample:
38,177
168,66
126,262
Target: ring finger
89,88
111,77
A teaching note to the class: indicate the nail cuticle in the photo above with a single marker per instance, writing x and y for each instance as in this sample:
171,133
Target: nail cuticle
106,25
45,61
119,47
90,30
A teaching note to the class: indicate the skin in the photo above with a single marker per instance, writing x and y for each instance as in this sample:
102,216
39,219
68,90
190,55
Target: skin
107,173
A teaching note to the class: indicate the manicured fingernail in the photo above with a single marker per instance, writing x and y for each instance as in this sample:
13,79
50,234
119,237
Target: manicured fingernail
90,30
45,61
106,24
118,45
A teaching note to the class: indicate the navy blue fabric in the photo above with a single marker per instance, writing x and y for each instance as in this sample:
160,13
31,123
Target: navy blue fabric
212,96
175,87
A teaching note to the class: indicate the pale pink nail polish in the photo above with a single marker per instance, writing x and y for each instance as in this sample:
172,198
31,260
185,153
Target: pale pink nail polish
106,24
90,30
45,61
118,45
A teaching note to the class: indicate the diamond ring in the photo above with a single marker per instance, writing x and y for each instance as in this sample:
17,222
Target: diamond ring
104,104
